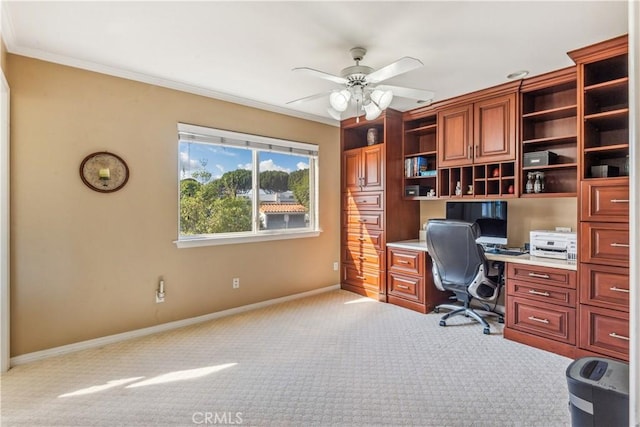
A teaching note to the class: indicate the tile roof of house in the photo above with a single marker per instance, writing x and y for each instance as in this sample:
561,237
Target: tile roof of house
282,208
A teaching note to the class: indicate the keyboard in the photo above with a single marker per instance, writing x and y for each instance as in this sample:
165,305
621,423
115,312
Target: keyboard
504,252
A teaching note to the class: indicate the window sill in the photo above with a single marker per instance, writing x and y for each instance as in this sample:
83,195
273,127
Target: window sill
196,242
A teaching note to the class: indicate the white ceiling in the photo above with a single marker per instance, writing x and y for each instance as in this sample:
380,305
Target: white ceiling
244,51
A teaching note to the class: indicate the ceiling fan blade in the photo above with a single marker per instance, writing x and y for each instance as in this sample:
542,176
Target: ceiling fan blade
407,92
308,98
401,66
321,74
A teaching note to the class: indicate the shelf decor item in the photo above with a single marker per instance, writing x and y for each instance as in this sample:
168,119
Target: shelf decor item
104,172
372,136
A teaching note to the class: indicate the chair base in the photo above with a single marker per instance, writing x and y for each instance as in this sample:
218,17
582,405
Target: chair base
467,311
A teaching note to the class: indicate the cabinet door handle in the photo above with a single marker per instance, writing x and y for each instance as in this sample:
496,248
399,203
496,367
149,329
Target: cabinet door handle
475,153
470,152
620,337
401,261
402,286
619,200
619,245
534,292
535,319
538,275
616,289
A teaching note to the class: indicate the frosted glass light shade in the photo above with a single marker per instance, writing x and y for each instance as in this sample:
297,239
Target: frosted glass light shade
334,114
382,98
339,100
372,111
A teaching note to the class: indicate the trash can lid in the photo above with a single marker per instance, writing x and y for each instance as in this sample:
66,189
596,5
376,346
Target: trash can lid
601,373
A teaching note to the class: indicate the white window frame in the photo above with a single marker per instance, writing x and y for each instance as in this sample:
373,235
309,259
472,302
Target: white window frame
200,134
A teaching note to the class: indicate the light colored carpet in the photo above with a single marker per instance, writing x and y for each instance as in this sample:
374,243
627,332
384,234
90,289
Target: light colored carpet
334,359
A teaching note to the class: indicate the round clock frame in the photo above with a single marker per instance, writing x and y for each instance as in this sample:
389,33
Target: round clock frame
104,172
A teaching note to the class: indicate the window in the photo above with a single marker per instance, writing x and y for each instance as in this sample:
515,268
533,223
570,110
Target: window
236,187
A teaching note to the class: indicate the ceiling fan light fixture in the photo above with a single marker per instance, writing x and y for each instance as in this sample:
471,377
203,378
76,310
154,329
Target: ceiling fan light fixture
382,98
372,111
334,114
339,100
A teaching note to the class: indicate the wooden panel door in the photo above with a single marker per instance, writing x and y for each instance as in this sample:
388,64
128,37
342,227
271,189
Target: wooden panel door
372,170
454,136
351,174
494,129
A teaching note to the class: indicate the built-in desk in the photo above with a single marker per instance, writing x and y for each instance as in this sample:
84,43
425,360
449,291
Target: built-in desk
421,245
540,302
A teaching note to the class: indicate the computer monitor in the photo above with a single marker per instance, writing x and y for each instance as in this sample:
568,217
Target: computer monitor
491,217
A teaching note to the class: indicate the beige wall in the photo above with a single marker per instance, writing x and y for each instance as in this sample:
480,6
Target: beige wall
523,215
85,264
3,55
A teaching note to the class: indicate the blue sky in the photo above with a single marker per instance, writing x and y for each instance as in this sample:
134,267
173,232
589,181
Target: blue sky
218,160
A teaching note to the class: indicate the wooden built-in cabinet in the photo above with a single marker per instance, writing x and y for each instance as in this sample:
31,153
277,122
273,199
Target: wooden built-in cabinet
419,148
410,281
477,147
548,114
603,199
541,307
374,210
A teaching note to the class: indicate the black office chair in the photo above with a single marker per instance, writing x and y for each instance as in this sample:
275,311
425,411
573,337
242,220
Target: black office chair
460,266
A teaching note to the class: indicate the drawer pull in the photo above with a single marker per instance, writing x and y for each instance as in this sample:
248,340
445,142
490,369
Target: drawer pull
619,245
362,239
361,277
620,337
361,202
362,220
401,261
541,276
535,319
534,292
619,200
616,289
402,286
362,258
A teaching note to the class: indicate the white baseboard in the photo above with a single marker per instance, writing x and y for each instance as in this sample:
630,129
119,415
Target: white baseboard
110,339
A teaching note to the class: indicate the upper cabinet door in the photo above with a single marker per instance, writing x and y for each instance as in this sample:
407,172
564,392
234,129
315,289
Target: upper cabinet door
372,170
455,147
495,129
351,170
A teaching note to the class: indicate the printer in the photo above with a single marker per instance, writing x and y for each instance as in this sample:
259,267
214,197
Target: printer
553,244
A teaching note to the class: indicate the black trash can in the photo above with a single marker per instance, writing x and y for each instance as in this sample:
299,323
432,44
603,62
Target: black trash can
598,392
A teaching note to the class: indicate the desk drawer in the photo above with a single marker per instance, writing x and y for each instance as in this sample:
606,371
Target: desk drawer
361,277
368,259
542,319
361,220
407,287
405,261
542,275
604,286
371,240
604,243
604,331
544,293
605,201
363,201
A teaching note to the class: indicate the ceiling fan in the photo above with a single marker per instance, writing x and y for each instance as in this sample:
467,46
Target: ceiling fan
361,86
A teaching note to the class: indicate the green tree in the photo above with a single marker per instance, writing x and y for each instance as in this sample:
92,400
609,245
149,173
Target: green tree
237,181
299,185
274,181
230,215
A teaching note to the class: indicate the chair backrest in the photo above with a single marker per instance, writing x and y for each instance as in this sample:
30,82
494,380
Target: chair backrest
456,256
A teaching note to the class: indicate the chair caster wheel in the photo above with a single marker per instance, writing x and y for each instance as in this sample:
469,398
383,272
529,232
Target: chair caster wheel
500,319
486,331
436,310
443,323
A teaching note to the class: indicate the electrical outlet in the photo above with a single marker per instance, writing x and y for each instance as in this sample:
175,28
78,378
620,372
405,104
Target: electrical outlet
236,282
335,266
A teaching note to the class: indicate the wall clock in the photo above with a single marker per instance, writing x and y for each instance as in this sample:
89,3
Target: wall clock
104,172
